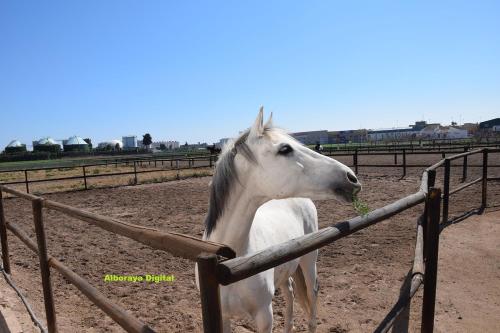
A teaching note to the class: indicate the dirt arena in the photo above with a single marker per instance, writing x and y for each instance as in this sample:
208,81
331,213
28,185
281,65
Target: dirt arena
360,275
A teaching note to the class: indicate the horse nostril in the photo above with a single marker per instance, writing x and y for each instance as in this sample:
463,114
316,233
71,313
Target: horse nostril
352,178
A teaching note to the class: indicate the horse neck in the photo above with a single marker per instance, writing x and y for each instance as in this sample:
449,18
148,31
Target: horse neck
233,227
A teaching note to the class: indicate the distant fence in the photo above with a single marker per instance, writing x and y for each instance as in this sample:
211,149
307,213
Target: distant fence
170,164
207,161
217,264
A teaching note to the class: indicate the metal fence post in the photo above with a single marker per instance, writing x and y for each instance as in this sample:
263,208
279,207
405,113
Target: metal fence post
84,177
135,172
464,167
44,266
3,238
26,181
431,261
404,162
209,291
355,158
485,179
446,189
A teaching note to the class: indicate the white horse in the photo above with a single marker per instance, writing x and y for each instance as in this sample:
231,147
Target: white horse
258,199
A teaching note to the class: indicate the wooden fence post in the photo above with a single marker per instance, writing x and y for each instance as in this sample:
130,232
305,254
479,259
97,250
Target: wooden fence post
355,159
26,181
395,158
446,189
209,290
431,261
84,177
464,167
177,167
3,238
135,172
44,266
485,179
210,160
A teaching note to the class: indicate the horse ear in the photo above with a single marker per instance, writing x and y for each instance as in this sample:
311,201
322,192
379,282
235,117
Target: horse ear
269,122
257,129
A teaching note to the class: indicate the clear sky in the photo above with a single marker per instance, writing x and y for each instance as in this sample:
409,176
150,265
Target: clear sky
199,70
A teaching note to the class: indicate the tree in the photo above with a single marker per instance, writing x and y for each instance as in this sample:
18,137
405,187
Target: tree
117,146
89,142
162,146
147,139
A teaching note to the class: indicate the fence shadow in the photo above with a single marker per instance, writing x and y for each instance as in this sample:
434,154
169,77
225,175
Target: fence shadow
460,218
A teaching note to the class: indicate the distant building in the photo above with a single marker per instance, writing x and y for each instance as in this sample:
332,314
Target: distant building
471,128
436,131
222,142
492,125
170,145
46,144
392,134
15,146
193,146
357,136
75,143
129,142
311,137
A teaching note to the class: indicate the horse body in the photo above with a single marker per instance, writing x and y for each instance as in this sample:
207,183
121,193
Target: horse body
258,199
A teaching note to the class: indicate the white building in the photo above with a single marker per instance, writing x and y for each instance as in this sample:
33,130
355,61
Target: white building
129,142
168,144
443,132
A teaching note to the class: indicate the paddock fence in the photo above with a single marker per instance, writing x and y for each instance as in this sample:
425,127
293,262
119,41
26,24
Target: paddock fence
217,264
136,167
177,244
214,272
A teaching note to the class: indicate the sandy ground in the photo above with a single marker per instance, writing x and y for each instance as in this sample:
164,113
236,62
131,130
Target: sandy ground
468,292
360,275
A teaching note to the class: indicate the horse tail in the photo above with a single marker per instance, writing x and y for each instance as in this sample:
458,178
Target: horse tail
300,291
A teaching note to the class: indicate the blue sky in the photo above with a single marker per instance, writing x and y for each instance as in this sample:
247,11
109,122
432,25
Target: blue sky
199,70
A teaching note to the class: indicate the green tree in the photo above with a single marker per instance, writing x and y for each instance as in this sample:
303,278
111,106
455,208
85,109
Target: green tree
162,146
117,146
147,139
89,142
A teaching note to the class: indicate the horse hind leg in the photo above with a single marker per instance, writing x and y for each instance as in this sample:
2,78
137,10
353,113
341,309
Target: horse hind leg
288,295
264,319
226,325
306,287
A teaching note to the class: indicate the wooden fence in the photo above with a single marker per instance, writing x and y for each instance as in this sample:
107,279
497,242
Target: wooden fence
217,264
424,271
177,244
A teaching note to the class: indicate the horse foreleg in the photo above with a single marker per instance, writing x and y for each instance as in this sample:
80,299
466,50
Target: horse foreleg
288,294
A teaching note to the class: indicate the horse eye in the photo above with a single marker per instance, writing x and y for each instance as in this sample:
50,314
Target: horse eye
285,149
